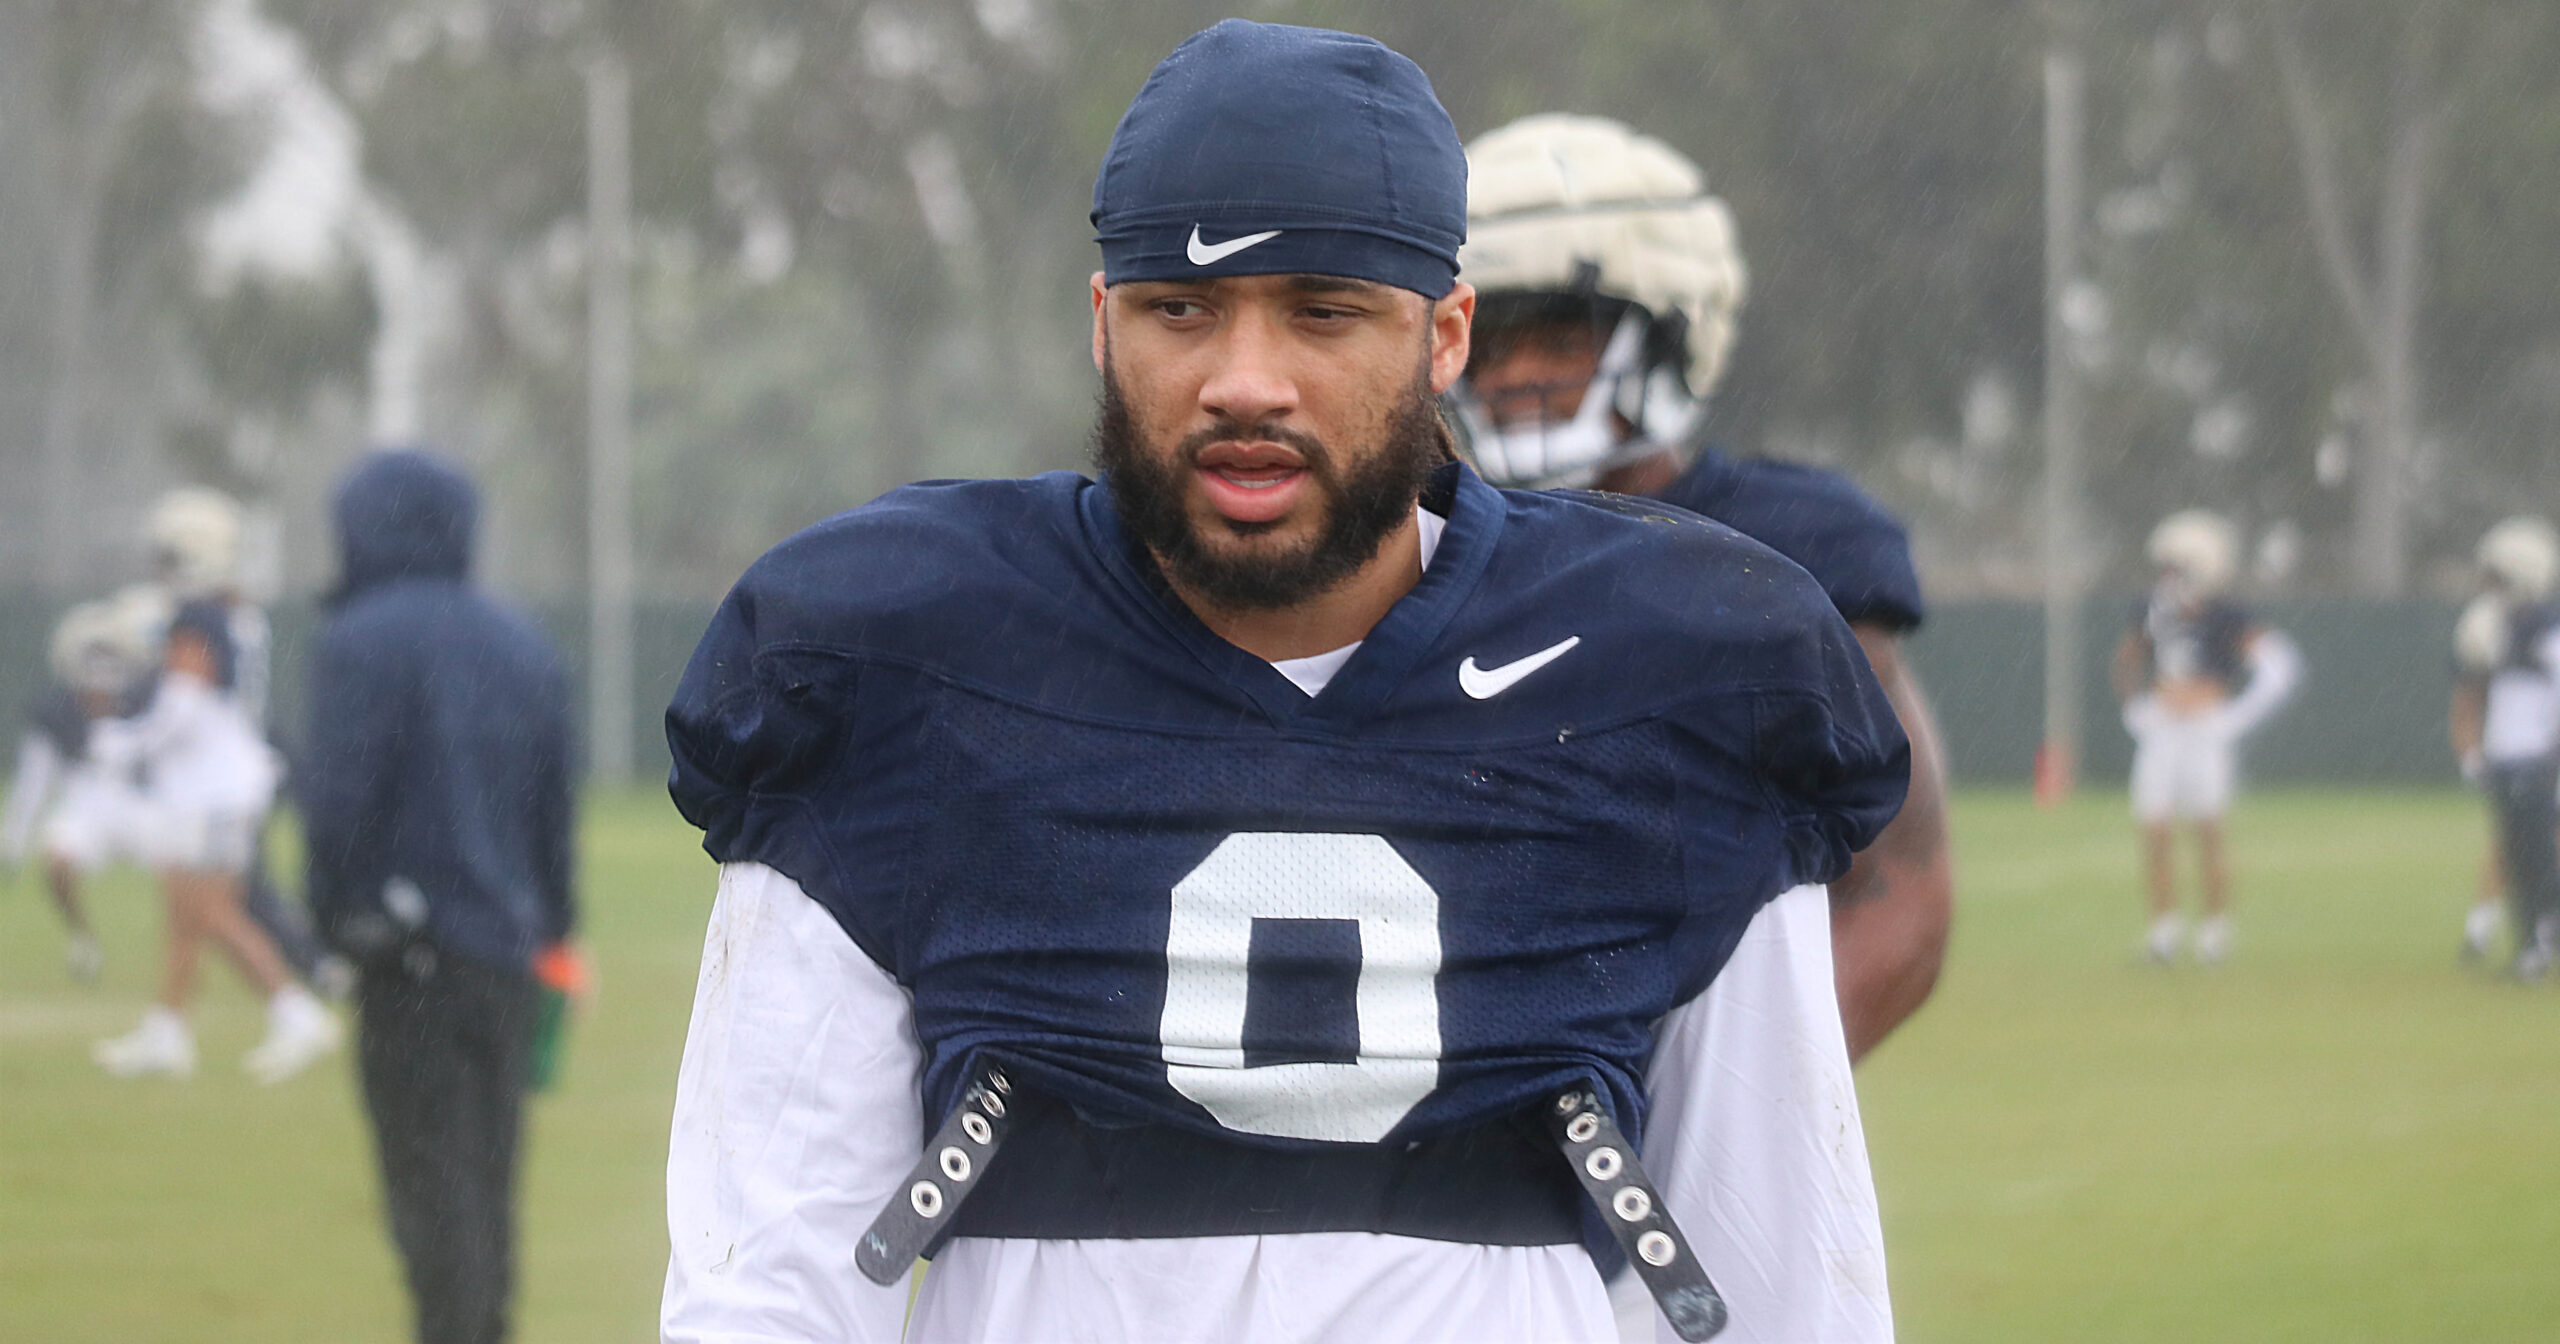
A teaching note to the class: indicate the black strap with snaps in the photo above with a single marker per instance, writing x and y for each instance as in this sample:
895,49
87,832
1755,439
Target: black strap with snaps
918,1219
1495,1199
1071,1176
1632,1208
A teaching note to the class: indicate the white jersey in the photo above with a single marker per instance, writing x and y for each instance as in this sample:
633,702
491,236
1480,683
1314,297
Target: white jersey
796,1119
2521,717
196,749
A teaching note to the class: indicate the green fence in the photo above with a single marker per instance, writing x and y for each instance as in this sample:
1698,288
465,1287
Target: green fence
2370,710
2371,707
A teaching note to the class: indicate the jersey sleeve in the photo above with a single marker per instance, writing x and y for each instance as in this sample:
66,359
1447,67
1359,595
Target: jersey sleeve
1862,558
756,725
1757,1146
39,765
1828,749
1853,547
795,1121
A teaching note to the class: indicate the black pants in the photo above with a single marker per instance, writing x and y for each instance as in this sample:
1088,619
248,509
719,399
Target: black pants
444,1045
2527,815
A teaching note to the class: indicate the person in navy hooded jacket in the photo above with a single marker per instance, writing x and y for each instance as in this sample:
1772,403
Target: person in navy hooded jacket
437,797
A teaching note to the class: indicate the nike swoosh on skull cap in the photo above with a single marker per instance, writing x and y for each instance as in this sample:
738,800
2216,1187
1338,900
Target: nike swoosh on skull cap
1204,254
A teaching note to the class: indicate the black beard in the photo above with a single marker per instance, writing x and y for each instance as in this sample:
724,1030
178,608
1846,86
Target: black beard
1361,509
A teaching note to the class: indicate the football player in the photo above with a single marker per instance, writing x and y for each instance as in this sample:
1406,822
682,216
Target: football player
1269,893
2196,673
88,814
2506,726
194,535
209,777
1608,288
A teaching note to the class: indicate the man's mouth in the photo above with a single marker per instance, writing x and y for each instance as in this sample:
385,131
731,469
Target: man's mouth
1251,482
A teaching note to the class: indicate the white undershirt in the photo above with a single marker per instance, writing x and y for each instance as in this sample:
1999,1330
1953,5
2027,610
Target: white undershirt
796,1120
1315,671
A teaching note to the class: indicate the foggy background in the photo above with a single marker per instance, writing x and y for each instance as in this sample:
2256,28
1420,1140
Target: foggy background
251,238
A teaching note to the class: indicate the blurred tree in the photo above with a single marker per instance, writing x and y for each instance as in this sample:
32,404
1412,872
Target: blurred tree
862,243
112,146
2379,284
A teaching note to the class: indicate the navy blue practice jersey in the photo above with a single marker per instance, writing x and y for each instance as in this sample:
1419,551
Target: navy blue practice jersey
2210,639
2528,625
1858,552
1534,811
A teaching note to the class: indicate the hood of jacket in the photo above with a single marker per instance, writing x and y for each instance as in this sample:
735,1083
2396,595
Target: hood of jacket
403,515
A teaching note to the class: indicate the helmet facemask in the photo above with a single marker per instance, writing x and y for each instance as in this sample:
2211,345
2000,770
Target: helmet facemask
1635,404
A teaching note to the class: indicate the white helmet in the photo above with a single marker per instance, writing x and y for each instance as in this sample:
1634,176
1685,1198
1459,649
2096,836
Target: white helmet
2523,555
144,611
97,649
195,539
1581,215
2201,546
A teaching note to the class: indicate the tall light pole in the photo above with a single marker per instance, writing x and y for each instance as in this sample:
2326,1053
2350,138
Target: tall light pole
2058,759
609,563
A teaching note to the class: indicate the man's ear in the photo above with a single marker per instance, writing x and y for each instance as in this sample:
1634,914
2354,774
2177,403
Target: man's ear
1453,317
1100,292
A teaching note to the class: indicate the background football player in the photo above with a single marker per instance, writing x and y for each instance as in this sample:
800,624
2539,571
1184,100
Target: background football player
2196,673
79,813
194,535
1609,287
2506,726
208,779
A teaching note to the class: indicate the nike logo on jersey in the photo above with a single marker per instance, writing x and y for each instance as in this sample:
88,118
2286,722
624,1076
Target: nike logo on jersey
1204,254
1484,683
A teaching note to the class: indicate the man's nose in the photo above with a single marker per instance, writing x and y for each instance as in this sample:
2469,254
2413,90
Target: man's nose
1252,380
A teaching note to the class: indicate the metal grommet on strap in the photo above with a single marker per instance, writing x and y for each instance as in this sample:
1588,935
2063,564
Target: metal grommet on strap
907,1229
1606,1166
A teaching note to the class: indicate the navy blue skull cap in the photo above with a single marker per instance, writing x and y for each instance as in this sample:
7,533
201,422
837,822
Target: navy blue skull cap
1326,150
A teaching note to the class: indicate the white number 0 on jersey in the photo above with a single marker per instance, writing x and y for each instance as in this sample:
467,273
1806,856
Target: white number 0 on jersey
1292,875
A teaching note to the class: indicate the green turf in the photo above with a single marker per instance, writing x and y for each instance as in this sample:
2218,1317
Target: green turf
2339,1136
218,1210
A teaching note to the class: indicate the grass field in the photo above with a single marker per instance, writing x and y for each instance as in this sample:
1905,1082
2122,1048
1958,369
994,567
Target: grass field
2338,1136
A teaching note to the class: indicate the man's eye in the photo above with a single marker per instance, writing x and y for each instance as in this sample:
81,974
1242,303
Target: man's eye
1180,308
1321,314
